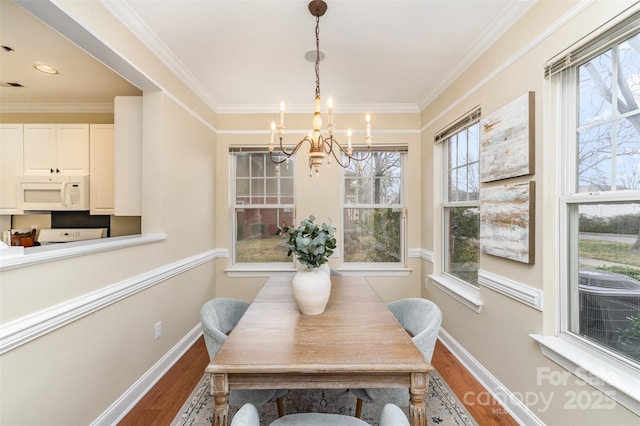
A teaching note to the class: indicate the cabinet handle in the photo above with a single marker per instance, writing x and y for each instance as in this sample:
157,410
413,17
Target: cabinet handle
51,170
57,170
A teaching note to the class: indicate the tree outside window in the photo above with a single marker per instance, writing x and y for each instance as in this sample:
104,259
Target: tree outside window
373,207
461,206
603,202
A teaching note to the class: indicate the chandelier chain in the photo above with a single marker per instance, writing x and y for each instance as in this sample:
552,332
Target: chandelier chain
317,56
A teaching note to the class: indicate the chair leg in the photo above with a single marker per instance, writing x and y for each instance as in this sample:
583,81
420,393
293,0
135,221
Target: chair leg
359,407
280,406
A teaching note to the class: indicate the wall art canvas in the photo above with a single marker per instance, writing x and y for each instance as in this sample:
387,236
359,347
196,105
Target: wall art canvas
507,221
507,141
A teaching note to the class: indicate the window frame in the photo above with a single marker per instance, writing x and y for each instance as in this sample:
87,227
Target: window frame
447,205
379,268
244,269
614,375
569,200
462,291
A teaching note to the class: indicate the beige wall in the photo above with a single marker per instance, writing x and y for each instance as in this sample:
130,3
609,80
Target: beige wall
498,337
76,372
318,196
94,360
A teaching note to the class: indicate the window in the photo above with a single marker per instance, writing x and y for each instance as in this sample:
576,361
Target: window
460,206
263,198
601,193
373,208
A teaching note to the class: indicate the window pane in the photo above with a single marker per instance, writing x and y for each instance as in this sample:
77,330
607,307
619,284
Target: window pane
610,161
629,65
242,165
606,283
256,239
595,89
258,182
372,235
374,181
628,149
594,159
463,172
463,254
242,187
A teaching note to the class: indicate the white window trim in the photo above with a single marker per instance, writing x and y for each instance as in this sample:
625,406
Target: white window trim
608,372
379,268
375,269
614,378
463,292
239,269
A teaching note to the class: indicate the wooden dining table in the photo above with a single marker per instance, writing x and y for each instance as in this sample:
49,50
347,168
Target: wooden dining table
355,343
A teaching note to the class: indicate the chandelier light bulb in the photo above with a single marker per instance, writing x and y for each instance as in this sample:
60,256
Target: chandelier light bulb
320,147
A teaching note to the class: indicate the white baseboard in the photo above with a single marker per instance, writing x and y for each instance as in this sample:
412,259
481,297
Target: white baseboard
497,390
130,398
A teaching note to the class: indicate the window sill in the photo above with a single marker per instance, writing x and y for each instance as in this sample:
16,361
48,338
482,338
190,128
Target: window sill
247,270
464,293
615,379
53,252
374,269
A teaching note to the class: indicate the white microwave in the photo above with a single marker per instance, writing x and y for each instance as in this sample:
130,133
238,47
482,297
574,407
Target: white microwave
53,193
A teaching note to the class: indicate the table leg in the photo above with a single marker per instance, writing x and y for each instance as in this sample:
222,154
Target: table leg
220,392
417,395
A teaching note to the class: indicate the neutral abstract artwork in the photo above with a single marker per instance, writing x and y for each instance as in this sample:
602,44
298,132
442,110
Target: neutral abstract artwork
507,221
507,139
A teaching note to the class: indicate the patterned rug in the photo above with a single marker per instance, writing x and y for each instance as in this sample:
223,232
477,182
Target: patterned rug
443,407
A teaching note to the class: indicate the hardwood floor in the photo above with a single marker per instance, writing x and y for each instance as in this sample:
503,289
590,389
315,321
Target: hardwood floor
161,404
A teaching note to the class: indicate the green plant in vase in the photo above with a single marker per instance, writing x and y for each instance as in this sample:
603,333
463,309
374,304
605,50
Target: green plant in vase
312,244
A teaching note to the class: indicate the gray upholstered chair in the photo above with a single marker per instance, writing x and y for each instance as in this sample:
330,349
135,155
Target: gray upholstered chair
391,415
421,318
218,317
247,415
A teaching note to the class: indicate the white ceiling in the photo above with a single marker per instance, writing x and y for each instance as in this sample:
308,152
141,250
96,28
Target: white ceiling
242,55
83,84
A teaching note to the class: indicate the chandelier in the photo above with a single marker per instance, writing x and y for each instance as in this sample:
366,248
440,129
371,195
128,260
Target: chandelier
320,147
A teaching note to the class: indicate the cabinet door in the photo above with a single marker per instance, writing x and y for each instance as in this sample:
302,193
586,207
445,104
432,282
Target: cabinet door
10,166
101,151
39,149
72,155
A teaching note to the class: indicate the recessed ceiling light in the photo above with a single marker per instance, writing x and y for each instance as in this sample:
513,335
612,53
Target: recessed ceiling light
47,69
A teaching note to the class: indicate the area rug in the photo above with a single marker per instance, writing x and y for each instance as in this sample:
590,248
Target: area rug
443,407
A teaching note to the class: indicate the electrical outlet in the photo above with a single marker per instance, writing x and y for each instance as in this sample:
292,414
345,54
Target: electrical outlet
158,330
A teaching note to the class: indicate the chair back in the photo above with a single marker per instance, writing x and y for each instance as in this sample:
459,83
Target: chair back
421,318
218,317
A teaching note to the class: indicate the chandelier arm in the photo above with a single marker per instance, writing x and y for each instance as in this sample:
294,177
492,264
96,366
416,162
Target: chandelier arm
278,161
329,149
295,148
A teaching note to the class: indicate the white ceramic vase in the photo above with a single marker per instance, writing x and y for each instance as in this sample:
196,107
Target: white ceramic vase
311,290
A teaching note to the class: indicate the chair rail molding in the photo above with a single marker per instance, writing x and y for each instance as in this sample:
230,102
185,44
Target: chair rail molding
517,291
22,330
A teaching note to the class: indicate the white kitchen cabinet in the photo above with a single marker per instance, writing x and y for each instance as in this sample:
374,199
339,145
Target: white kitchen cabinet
11,147
56,149
101,168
